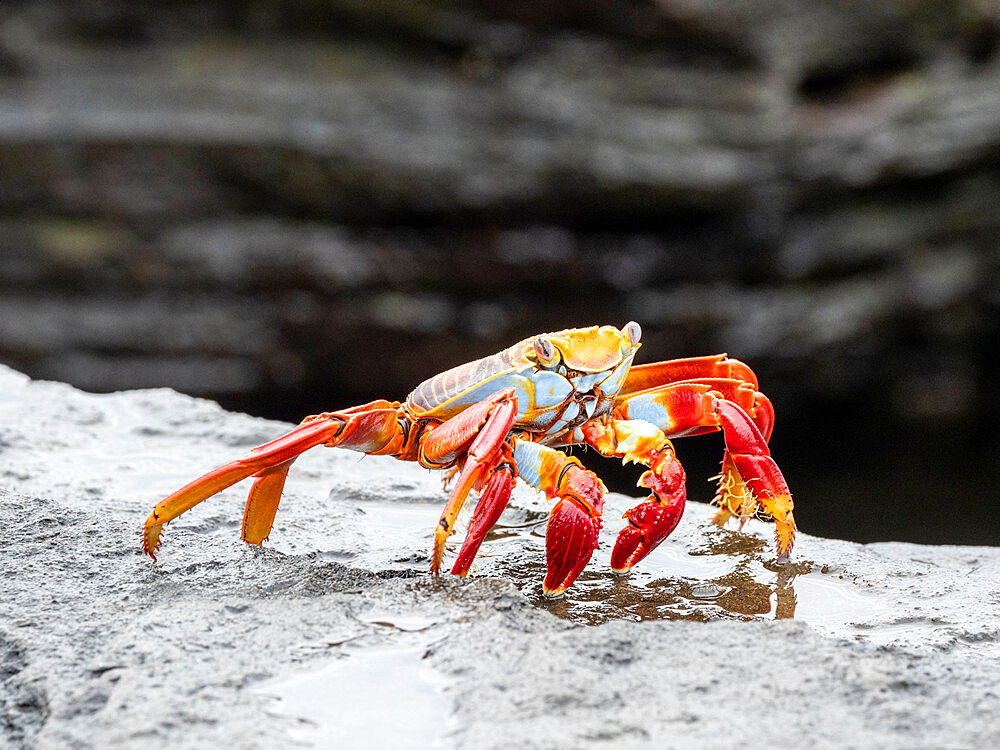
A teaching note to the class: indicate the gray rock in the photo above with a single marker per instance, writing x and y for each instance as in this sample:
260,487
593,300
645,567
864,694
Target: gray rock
333,634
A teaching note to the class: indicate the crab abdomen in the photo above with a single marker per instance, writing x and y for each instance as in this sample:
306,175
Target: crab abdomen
453,390
541,395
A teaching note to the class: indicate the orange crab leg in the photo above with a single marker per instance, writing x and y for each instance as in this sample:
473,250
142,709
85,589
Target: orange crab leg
717,369
262,503
370,428
750,477
679,408
486,426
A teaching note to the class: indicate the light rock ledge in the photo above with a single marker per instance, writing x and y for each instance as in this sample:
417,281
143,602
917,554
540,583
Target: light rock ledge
335,634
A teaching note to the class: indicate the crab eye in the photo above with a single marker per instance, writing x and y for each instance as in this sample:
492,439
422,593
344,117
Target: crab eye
633,332
544,349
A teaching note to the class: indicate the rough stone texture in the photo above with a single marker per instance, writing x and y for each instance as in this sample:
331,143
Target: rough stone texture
219,643
299,205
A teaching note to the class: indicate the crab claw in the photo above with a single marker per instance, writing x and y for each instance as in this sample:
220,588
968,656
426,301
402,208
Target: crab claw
574,525
649,523
569,542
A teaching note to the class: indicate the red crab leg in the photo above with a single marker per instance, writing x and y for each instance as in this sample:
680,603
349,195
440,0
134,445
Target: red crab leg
488,510
750,478
732,378
658,374
754,403
652,521
369,428
574,526
486,426
749,470
575,521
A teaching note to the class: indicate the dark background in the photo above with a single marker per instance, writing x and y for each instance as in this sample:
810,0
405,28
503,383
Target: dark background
296,206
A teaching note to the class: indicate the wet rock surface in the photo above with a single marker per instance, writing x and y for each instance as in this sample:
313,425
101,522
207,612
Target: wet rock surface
333,633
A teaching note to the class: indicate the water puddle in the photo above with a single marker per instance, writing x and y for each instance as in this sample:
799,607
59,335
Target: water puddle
406,622
739,588
373,697
383,696
702,573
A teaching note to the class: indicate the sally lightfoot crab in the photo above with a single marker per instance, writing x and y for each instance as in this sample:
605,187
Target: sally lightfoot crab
510,415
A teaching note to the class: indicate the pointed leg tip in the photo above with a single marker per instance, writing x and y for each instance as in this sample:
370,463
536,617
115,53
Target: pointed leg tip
461,568
783,550
152,549
151,540
556,593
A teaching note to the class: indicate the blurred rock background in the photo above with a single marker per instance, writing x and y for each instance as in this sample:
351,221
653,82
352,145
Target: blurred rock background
295,206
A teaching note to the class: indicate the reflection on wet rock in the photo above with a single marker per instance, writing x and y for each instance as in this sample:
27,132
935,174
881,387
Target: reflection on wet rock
728,542
744,595
734,576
